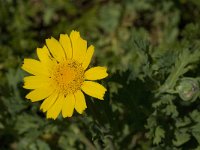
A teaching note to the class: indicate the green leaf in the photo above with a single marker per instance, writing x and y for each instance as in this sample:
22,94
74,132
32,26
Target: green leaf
198,148
42,145
182,65
1,126
181,138
195,115
109,17
159,135
182,122
171,109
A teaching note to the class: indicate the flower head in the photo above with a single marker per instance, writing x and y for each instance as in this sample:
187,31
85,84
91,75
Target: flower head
60,75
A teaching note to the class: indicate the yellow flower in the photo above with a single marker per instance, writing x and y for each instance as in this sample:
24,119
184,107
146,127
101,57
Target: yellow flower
60,76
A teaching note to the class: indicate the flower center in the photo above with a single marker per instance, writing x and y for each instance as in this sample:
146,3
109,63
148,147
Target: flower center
68,76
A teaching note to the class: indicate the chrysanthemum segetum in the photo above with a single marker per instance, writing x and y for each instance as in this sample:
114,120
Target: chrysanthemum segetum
60,75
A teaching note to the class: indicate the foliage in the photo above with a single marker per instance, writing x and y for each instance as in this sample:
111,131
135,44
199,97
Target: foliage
152,51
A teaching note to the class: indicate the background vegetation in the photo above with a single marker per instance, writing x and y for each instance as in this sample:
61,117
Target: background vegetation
152,51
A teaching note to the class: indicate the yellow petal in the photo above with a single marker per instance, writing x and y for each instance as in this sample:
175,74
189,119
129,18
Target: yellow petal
68,106
39,94
48,102
54,111
43,54
34,67
88,57
80,104
96,73
56,49
45,57
34,82
79,46
94,89
66,44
